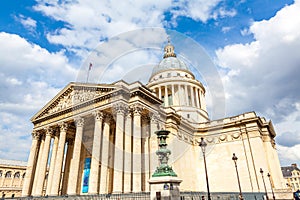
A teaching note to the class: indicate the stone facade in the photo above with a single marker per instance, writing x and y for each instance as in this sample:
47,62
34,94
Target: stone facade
12,175
102,138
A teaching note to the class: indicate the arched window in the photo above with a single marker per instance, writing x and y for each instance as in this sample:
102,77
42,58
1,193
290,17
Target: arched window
17,175
1,173
8,174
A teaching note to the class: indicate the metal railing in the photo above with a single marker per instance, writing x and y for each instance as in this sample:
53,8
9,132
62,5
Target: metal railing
185,195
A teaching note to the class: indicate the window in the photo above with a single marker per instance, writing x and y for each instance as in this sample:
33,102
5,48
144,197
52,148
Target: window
170,100
178,74
190,100
169,74
1,174
8,174
188,115
23,176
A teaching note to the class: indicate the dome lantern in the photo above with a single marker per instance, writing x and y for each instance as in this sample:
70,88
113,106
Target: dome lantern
169,50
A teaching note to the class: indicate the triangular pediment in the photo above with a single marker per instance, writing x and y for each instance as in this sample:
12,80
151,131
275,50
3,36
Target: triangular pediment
72,95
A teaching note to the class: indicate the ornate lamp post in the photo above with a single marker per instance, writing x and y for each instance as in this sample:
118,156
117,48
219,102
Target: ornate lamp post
234,158
203,145
262,176
271,185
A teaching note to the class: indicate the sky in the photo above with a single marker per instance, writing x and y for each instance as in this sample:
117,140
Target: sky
254,45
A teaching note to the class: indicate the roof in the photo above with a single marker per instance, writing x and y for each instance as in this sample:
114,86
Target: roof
13,162
170,61
287,171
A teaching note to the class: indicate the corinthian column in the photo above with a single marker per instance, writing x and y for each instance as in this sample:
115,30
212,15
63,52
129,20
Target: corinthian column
52,163
66,177
192,96
59,160
43,163
93,189
153,143
137,150
31,165
127,153
104,156
197,97
38,164
118,160
74,166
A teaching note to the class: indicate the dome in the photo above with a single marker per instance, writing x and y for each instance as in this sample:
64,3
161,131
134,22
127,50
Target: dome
169,63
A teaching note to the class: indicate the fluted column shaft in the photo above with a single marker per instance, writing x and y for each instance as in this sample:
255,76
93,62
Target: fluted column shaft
197,98
173,95
43,164
75,161
186,95
166,97
67,166
38,165
137,150
93,189
59,160
104,156
52,164
153,143
145,153
119,150
127,153
179,95
192,96
30,166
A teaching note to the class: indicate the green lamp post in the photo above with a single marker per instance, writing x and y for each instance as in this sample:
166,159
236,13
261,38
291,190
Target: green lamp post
163,156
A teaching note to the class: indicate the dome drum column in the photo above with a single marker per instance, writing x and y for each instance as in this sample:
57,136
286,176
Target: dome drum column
173,95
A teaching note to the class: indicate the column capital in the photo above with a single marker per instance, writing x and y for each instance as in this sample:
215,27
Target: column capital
128,113
79,121
107,118
63,126
120,108
137,109
35,134
154,117
98,115
49,131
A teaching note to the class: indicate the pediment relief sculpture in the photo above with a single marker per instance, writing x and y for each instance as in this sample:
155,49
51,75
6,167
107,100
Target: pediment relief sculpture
71,97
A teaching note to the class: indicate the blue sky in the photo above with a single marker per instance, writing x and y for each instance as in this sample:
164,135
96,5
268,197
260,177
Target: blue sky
254,45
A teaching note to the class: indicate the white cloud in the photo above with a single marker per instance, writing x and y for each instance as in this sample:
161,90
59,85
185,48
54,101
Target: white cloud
225,29
30,76
264,75
289,155
27,22
89,22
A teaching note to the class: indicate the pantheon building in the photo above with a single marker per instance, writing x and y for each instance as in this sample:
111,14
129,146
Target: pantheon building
99,138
